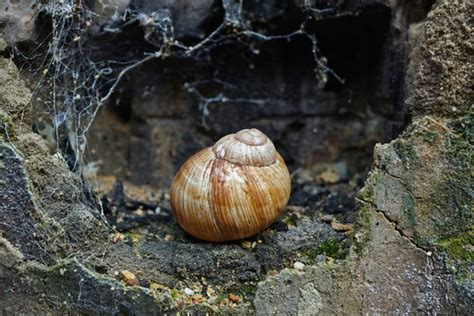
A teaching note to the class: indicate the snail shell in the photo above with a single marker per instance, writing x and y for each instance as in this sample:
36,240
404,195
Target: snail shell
231,190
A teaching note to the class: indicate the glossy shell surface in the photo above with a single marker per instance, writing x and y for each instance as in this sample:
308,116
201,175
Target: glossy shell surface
232,190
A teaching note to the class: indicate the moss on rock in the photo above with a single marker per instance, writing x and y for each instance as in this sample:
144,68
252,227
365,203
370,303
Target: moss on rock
7,130
459,247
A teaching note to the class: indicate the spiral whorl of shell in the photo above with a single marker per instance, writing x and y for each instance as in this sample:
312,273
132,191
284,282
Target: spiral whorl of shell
249,147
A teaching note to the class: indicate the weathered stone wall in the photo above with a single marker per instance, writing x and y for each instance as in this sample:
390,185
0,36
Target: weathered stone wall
411,249
446,52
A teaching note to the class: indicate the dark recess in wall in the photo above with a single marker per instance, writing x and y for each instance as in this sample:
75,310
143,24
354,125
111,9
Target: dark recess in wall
271,85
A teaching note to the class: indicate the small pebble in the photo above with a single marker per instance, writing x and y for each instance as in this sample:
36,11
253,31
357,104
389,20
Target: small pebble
210,292
129,278
139,212
169,237
117,237
188,291
246,244
329,176
320,258
157,286
299,265
340,227
233,298
295,209
197,298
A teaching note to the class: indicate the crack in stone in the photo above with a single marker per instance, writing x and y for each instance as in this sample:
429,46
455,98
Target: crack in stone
400,231
402,181
394,222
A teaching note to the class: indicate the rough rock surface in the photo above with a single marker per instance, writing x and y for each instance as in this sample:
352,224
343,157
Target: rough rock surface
48,226
414,241
411,250
18,20
14,96
447,53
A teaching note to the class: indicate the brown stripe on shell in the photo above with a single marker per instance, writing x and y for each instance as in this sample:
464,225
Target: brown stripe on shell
227,198
189,196
270,185
217,200
245,199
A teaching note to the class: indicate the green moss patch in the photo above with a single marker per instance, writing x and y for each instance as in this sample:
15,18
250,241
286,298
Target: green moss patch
6,126
330,248
460,247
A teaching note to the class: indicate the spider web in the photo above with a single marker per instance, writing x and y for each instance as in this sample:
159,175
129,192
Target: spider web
78,84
